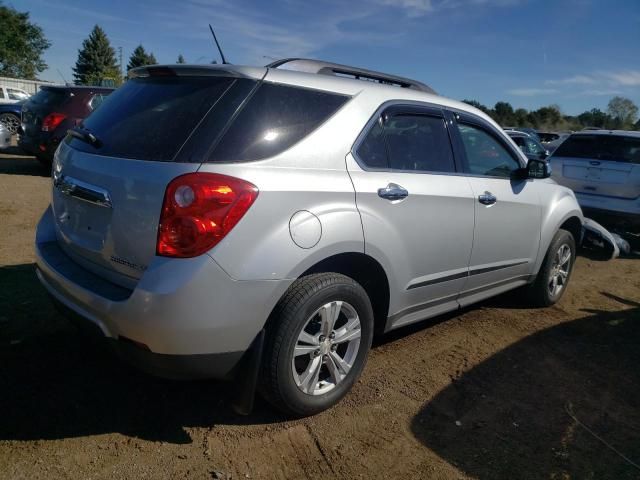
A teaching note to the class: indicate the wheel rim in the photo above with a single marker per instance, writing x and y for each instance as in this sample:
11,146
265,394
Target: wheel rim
560,270
10,121
327,348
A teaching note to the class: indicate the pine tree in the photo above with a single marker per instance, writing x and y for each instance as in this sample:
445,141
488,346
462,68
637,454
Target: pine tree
96,60
140,58
181,59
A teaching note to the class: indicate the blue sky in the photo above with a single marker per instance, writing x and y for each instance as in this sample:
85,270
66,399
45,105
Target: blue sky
532,53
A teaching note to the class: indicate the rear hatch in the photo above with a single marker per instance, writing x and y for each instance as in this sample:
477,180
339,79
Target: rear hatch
108,194
599,164
34,110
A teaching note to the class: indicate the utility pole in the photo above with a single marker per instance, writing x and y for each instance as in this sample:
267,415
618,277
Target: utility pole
121,67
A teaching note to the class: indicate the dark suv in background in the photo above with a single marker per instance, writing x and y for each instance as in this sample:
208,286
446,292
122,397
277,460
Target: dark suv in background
48,115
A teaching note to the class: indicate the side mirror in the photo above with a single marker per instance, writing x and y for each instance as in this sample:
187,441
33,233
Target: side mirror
538,169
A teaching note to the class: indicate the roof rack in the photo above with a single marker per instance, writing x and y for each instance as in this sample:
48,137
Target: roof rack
327,68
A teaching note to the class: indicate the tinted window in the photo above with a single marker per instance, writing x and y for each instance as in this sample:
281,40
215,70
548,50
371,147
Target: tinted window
372,151
485,154
1,93
150,118
49,96
418,142
276,117
601,147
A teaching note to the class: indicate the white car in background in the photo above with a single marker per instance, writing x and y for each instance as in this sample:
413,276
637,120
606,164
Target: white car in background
12,95
602,167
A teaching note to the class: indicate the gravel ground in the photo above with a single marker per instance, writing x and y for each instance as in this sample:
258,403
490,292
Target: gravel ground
495,391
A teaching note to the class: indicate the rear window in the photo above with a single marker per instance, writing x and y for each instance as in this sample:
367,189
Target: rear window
49,96
151,118
601,147
275,118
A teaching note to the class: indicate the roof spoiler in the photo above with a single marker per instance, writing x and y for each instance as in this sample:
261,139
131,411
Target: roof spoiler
336,69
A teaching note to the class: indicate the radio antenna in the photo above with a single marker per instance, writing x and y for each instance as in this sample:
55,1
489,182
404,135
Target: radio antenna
224,60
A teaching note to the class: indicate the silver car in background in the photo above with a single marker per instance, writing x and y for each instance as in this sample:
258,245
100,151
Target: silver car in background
603,168
260,224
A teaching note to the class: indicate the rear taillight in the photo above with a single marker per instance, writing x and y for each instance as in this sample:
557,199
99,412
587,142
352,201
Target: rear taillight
51,121
199,209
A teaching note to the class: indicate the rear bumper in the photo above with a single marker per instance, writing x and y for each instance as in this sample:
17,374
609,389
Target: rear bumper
610,211
184,318
42,145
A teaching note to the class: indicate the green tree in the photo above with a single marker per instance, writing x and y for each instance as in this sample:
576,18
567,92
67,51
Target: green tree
181,59
140,58
503,113
96,60
22,44
623,111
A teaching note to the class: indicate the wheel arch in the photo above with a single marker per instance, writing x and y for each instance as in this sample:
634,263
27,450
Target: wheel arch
365,270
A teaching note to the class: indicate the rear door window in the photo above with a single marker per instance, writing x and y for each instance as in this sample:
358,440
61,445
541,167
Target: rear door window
275,118
151,118
601,147
418,143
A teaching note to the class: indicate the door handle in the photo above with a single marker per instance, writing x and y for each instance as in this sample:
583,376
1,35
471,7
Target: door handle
82,190
487,198
393,191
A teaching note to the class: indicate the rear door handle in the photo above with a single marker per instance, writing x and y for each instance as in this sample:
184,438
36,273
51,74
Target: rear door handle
487,198
393,191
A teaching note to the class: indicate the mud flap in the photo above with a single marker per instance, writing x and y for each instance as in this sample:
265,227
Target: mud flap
246,377
596,237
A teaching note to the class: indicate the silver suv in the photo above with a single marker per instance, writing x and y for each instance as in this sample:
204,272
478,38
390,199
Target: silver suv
603,168
260,224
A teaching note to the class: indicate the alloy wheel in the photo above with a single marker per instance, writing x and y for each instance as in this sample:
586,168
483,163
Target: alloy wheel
559,270
327,348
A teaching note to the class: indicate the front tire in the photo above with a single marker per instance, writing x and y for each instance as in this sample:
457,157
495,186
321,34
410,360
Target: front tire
555,271
11,121
317,344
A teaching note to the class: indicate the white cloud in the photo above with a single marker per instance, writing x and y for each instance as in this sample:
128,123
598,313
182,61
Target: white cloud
575,80
413,8
531,92
629,78
599,92
418,8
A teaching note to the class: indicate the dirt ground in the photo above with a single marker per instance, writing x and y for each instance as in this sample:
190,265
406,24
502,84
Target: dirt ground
495,391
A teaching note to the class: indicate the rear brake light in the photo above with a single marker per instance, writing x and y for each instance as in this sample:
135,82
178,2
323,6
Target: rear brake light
199,210
51,121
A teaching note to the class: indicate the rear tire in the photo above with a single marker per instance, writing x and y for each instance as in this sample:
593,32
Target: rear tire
555,272
317,344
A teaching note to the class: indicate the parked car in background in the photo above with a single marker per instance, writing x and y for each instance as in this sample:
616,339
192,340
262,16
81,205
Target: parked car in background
12,95
530,131
552,140
603,168
10,116
5,137
48,115
529,145
260,223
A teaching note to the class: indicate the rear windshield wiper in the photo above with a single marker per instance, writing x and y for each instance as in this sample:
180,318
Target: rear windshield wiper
85,135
